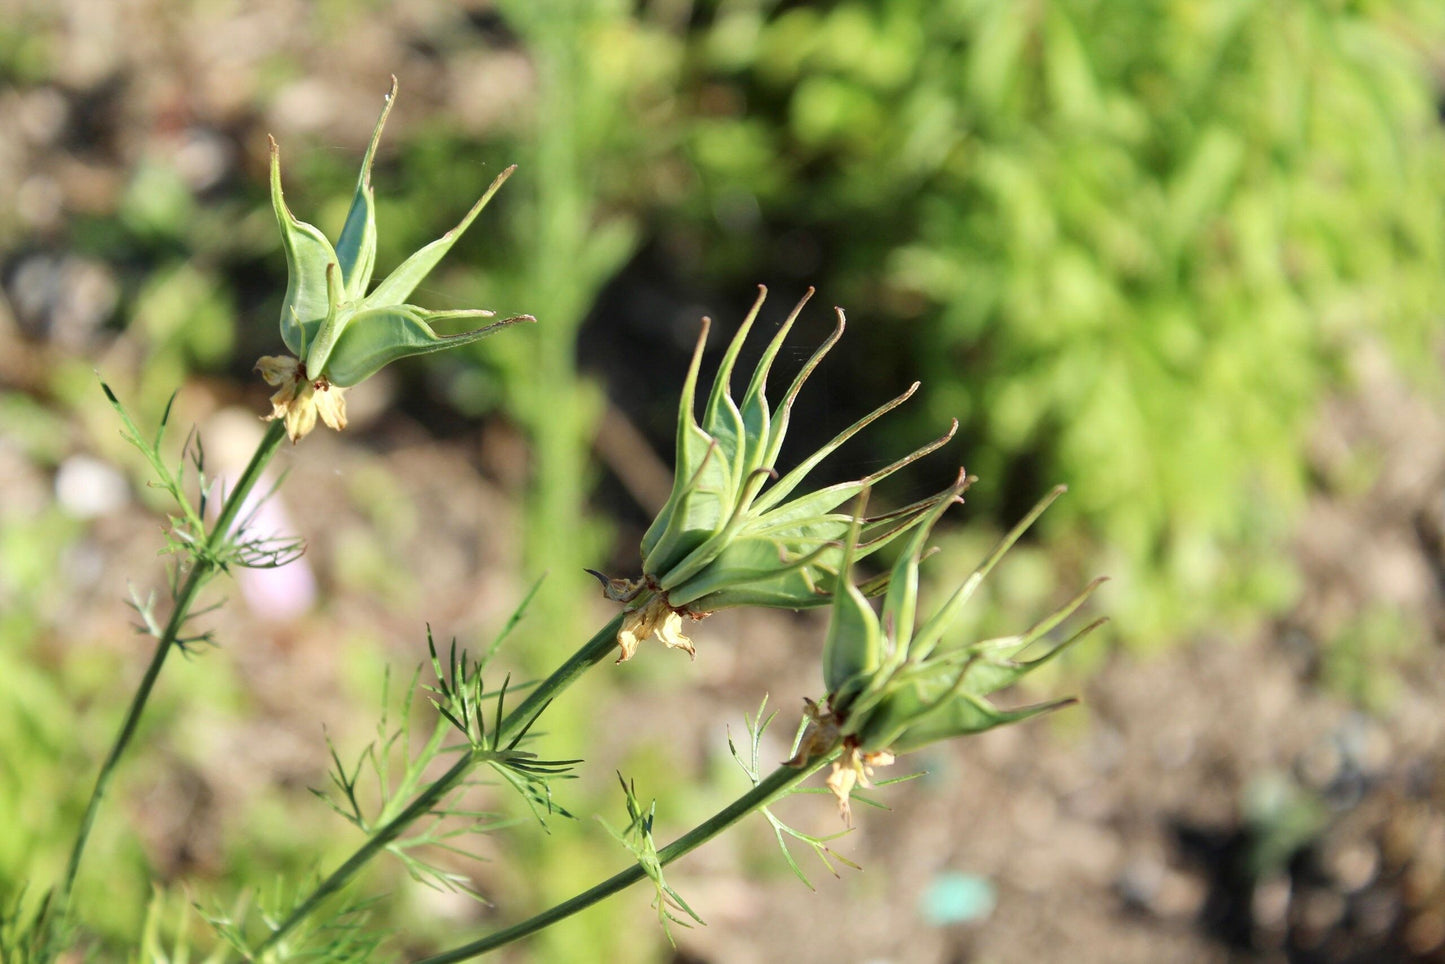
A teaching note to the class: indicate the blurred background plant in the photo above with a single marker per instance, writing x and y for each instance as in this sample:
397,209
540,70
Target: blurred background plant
1127,245
1135,247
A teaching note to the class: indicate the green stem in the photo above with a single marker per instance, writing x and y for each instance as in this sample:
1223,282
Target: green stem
203,567
775,784
596,649
418,808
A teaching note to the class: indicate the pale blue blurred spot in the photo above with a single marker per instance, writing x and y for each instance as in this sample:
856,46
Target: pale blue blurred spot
957,898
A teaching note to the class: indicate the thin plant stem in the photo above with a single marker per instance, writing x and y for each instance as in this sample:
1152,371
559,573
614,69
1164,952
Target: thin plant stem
513,725
770,788
202,568
592,652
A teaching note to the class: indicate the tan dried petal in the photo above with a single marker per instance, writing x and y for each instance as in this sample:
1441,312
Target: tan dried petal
282,400
301,414
330,405
854,769
670,632
878,758
630,635
277,369
841,782
655,618
299,400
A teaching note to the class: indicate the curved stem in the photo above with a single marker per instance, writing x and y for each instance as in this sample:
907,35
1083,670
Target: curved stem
592,652
769,789
202,569
596,649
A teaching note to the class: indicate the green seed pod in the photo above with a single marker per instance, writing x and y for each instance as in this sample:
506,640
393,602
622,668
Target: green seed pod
732,531
853,647
885,723
340,334
307,302
356,247
927,689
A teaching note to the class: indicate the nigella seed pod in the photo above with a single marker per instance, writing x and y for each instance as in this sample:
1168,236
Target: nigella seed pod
339,334
733,531
853,647
895,686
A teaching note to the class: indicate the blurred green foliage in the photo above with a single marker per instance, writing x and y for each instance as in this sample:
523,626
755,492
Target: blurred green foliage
1129,245
1371,656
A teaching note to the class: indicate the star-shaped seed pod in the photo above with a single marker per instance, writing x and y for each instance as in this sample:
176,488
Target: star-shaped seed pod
894,682
338,332
734,532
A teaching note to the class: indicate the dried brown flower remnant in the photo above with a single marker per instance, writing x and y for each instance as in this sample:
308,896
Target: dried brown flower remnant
299,400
